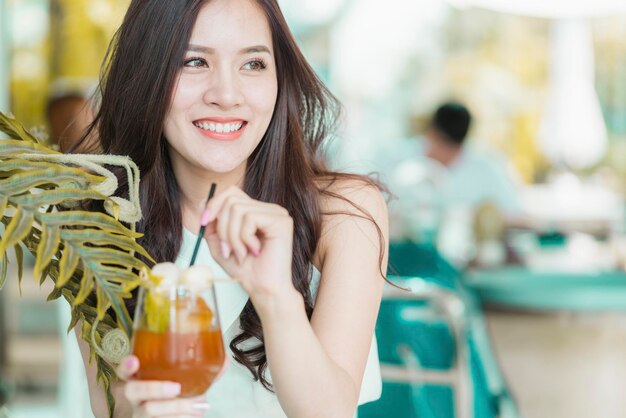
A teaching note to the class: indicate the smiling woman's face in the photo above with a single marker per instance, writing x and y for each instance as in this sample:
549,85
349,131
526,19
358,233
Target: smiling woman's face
226,91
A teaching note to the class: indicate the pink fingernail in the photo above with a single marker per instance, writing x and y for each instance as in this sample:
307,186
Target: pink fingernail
206,217
131,363
254,251
225,248
171,388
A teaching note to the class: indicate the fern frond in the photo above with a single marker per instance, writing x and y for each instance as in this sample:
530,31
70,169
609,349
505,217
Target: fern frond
92,258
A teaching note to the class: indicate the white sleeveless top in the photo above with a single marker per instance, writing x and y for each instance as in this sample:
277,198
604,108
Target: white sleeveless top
235,394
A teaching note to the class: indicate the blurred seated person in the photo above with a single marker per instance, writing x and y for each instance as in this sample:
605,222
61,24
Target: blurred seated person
473,178
69,113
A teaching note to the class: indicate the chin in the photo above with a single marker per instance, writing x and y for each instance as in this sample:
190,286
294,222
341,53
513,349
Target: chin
221,168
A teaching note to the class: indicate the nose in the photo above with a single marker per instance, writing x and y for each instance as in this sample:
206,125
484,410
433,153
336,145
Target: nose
223,89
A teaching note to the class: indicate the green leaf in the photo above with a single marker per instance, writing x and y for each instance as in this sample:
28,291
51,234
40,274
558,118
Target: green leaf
67,265
3,269
44,274
4,200
86,286
21,164
73,320
19,257
56,174
96,257
16,147
54,295
18,228
57,197
87,219
95,251
103,302
123,317
102,238
13,128
48,245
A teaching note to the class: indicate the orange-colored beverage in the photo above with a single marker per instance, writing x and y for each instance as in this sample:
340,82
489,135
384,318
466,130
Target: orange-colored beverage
192,359
177,334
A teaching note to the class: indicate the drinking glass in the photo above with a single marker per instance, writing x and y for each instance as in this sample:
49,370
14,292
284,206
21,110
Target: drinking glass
177,335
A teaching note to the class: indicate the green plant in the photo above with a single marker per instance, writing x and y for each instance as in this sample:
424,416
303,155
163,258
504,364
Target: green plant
91,257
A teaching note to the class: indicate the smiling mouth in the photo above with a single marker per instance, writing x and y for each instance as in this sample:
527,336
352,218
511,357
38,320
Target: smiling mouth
220,127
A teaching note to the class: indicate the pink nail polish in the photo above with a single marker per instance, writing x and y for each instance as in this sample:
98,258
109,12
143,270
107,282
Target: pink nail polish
225,248
131,363
255,251
206,217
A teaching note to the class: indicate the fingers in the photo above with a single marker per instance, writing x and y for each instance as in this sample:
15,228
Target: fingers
239,221
127,367
191,407
137,391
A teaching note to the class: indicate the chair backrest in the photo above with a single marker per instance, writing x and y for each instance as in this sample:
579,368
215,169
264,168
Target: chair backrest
408,259
426,333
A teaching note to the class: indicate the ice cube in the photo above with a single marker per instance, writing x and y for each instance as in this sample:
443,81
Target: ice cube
169,272
196,277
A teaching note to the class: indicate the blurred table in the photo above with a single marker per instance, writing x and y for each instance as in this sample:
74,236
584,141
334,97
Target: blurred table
521,287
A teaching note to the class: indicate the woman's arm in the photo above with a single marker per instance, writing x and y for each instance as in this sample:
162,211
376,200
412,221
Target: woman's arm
96,391
317,369
316,366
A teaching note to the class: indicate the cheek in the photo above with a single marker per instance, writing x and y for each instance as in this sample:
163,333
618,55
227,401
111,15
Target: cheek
185,95
263,98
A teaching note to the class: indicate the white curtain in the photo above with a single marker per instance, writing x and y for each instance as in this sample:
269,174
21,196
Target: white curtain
573,132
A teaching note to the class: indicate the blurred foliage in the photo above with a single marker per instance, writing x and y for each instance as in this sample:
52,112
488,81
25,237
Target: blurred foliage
70,47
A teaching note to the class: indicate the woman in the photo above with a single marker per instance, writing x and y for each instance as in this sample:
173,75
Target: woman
217,91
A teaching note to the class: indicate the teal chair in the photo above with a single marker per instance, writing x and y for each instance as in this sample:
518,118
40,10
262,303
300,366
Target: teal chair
435,356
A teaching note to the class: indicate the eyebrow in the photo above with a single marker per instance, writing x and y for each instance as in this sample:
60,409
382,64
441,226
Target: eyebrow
247,50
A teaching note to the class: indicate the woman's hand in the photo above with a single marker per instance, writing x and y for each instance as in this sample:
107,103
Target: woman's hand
252,241
155,398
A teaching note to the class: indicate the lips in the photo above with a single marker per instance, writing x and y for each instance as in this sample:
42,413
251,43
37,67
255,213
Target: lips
221,129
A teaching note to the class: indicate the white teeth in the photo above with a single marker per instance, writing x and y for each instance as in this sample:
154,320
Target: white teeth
219,127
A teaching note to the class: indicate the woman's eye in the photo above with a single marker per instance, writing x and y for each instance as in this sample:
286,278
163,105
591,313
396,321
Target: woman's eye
255,65
195,62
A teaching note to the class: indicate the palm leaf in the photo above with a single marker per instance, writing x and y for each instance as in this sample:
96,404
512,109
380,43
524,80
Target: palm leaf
4,261
67,265
20,147
3,204
88,219
26,181
86,286
102,238
50,240
92,258
58,197
18,228
19,257
14,129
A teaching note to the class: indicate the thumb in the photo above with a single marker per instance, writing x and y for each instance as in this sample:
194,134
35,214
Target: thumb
127,367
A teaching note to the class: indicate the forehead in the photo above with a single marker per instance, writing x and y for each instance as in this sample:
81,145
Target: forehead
231,24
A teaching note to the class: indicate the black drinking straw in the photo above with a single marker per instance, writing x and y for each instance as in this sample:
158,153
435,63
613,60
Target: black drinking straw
202,227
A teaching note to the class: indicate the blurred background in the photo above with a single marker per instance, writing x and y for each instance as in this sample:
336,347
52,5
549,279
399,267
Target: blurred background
541,287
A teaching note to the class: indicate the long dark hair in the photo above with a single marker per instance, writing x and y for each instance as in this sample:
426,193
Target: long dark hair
287,168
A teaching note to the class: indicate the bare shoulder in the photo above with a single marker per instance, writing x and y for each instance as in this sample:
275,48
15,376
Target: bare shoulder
353,209
351,196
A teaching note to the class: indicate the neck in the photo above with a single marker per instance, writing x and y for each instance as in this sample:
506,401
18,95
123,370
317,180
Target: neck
450,156
194,185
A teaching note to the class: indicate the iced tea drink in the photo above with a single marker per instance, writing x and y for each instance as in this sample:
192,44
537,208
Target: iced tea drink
177,335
